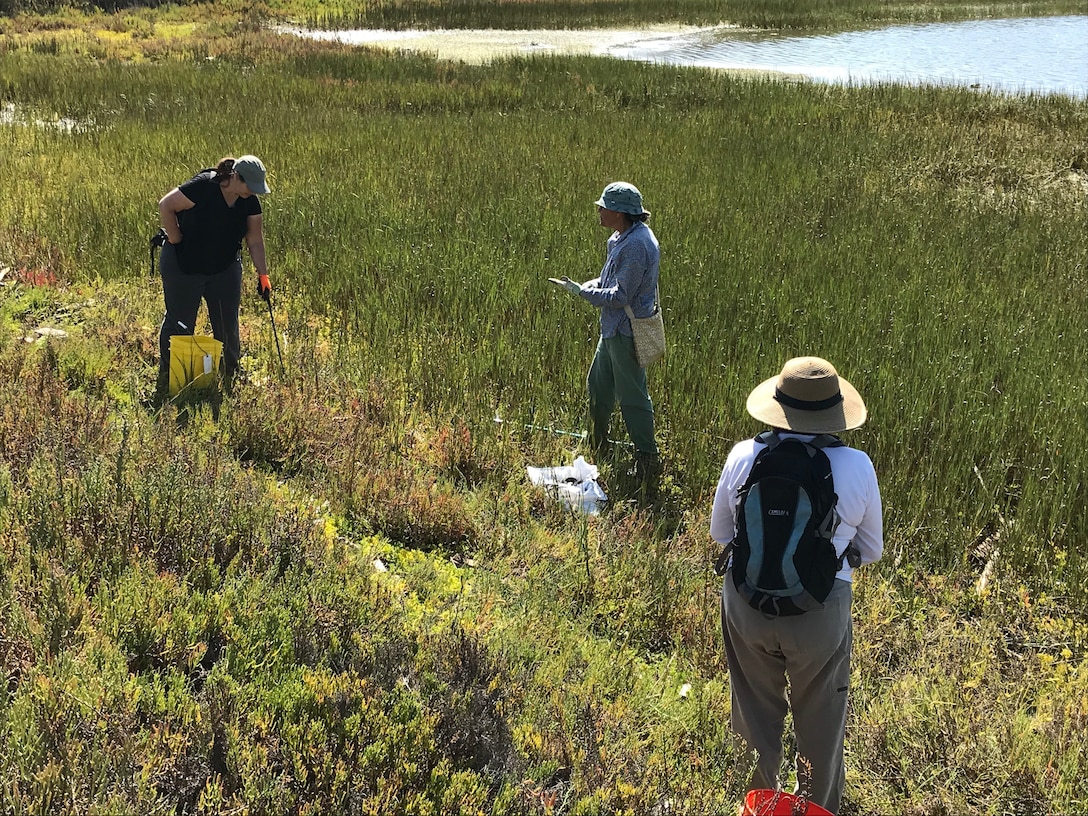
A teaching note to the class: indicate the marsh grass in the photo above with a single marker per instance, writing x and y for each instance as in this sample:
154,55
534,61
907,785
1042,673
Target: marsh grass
193,617
876,265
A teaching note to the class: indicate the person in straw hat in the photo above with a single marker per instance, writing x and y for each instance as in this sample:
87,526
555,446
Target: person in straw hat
811,650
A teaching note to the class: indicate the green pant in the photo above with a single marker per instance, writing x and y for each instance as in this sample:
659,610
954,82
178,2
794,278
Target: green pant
616,376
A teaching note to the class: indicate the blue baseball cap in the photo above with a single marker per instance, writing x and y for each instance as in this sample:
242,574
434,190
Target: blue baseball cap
620,196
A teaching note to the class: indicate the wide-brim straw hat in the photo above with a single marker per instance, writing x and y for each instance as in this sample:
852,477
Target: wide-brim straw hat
808,396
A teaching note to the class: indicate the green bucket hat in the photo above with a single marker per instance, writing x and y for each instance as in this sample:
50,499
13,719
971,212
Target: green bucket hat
620,196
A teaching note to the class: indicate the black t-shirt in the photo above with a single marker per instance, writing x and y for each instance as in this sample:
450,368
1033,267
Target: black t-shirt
211,232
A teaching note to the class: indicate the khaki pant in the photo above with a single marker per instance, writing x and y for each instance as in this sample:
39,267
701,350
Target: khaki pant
811,650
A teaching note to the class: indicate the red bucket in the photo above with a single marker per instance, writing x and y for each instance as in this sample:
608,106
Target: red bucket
780,803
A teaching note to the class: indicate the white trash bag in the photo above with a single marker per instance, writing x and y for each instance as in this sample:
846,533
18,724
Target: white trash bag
574,485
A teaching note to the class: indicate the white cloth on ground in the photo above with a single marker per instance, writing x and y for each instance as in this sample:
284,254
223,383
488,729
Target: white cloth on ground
574,485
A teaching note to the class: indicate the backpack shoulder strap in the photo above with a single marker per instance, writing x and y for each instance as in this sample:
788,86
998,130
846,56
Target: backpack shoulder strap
772,439
769,438
827,441
203,172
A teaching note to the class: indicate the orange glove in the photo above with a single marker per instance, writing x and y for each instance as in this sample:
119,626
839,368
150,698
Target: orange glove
264,286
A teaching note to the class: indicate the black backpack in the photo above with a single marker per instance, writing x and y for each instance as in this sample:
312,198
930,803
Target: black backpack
784,560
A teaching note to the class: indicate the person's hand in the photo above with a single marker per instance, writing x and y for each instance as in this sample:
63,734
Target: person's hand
568,284
264,287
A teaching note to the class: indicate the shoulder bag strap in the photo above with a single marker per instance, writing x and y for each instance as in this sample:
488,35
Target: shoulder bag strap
657,305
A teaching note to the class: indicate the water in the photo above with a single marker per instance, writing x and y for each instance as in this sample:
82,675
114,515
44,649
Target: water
10,115
1047,55
1032,55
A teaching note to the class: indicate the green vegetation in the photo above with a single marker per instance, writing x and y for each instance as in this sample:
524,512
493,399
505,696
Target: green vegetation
523,14
336,592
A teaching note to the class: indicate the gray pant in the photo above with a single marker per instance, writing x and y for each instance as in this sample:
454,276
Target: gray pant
183,293
813,651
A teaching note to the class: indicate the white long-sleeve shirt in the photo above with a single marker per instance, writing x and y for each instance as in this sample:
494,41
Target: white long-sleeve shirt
859,507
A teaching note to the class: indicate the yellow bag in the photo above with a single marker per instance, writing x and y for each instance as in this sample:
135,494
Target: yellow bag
194,362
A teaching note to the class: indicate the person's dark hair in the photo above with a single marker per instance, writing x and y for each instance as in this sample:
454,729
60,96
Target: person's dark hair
632,219
224,168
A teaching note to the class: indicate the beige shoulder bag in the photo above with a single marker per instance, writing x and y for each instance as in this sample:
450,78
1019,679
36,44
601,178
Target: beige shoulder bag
649,334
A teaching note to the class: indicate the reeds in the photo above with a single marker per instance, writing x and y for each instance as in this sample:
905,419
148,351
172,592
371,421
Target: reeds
418,208
928,242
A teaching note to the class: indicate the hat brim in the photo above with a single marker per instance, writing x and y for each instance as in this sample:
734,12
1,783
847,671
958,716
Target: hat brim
258,189
849,414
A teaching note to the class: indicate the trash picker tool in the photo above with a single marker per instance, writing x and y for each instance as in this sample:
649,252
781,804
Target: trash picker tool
272,317
158,241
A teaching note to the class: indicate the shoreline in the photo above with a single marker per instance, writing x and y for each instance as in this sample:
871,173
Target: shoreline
481,46
478,46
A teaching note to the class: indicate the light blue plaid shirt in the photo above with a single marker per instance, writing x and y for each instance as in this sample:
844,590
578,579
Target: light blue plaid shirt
628,278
